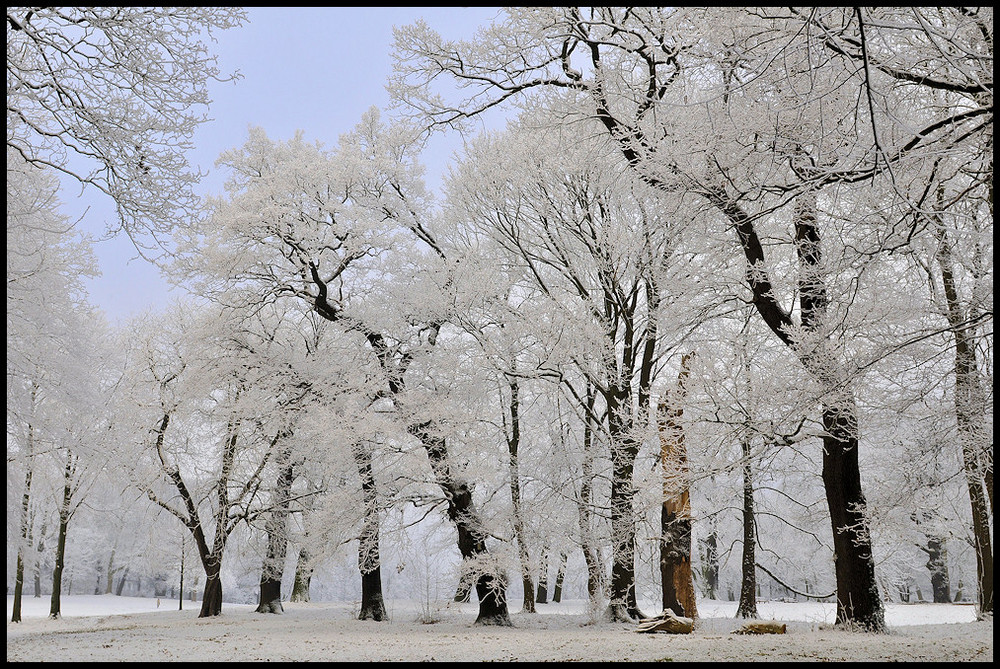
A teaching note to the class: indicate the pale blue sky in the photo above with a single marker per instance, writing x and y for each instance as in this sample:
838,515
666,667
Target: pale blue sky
314,69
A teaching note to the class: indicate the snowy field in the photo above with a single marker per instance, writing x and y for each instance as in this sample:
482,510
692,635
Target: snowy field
109,628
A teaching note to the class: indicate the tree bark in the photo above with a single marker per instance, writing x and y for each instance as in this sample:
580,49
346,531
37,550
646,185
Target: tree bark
303,576
513,446
622,606
39,550
970,416
211,602
560,577
675,515
273,567
369,558
19,577
491,583
595,575
25,512
748,566
65,512
543,578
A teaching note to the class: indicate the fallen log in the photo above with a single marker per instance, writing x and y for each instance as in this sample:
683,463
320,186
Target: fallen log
762,628
668,622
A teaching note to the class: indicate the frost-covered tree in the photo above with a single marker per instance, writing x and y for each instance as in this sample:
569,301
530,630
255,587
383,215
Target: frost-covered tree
348,232
110,97
756,113
596,248
48,325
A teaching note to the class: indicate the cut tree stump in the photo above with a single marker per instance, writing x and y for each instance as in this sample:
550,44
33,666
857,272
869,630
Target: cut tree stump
762,628
668,622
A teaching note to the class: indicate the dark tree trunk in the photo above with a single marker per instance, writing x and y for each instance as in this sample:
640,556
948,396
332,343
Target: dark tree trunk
121,582
37,571
180,591
858,600
491,583
369,558
748,581
270,596
211,602
560,577
622,606
543,578
25,516
55,607
970,414
513,444
273,567
372,604
19,577
595,573
303,575
18,587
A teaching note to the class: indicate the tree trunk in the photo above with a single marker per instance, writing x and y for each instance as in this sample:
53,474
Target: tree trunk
19,577
273,567
25,513
121,582
491,583
180,589
18,587
595,573
211,602
858,600
55,607
369,558
748,581
622,606
37,571
543,578
513,444
675,516
560,577
303,575
970,403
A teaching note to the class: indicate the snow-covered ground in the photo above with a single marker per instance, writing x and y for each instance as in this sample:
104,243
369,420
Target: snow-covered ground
109,628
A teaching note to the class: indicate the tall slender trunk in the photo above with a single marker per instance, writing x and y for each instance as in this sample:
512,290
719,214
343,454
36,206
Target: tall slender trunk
37,569
748,581
25,504
970,402
25,510
595,572
560,577
513,446
55,607
369,558
180,589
